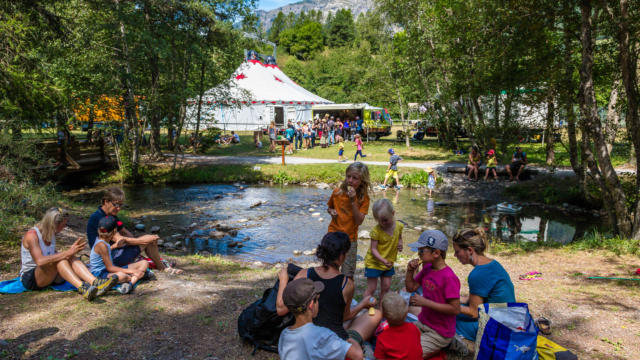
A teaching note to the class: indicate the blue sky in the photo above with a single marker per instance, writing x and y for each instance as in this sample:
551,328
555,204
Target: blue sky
272,4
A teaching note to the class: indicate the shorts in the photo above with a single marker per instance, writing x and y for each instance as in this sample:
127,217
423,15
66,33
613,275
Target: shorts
350,260
466,326
352,334
306,136
392,173
28,280
430,340
375,273
125,255
103,274
515,165
340,152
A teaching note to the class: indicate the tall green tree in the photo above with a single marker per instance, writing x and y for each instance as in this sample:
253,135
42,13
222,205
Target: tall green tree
341,30
277,25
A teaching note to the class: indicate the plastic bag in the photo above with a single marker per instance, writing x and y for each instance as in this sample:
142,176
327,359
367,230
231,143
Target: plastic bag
506,332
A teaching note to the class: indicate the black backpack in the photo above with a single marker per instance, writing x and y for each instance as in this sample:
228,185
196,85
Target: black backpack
259,323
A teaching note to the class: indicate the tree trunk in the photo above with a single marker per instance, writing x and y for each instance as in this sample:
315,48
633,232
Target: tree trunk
592,124
130,113
613,117
508,103
200,95
629,65
569,98
551,114
90,124
154,119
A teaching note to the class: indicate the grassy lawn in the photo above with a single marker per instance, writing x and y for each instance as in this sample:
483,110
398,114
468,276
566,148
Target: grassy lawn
425,150
290,174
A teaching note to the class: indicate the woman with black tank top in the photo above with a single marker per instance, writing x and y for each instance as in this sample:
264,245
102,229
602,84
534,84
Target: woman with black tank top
334,310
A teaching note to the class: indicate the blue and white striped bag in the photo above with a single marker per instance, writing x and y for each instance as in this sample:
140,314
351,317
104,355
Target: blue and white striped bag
506,332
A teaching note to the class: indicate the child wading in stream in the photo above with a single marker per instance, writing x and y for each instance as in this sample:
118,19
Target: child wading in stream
102,263
348,205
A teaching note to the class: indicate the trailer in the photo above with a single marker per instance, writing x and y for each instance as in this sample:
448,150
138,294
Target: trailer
376,120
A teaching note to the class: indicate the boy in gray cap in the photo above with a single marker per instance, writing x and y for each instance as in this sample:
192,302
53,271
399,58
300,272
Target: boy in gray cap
304,340
440,300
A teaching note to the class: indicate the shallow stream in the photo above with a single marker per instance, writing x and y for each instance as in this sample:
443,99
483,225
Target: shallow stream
275,222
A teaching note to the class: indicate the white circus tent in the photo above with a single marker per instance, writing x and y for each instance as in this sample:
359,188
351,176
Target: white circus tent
256,94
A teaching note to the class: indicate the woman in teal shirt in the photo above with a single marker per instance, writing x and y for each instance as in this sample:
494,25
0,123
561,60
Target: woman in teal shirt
488,282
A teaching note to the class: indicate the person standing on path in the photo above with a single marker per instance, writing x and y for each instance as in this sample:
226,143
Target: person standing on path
272,137
298,135
358,148
346,131
332,131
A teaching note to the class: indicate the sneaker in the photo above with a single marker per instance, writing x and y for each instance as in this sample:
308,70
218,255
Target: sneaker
126,288
149,275
89,292
104,285
459,346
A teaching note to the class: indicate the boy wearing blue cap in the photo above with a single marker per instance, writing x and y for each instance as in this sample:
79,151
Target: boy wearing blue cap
440,300
392,170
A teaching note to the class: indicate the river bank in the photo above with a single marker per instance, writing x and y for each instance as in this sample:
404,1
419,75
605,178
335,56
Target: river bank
595,319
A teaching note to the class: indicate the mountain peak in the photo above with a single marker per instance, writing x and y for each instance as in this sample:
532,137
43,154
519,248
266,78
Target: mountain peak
324,6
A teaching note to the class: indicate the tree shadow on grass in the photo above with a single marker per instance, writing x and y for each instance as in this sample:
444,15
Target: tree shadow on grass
182,319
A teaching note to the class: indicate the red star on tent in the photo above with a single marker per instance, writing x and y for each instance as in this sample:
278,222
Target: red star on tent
241,76
275,77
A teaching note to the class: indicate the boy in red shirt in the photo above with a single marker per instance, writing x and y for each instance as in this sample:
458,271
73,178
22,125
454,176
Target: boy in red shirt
401,340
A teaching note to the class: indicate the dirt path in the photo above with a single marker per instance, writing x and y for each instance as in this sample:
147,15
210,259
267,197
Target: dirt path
194,316
296,160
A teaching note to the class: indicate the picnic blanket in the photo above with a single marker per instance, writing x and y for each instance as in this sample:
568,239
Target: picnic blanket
14,286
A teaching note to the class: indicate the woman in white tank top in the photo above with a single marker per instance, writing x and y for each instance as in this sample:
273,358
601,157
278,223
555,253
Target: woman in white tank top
42,265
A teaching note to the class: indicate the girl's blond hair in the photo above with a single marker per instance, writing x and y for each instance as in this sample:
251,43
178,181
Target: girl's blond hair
365,180
50,222
382,206
475,239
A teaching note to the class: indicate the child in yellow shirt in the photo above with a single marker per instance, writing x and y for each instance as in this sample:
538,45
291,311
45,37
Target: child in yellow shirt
386,241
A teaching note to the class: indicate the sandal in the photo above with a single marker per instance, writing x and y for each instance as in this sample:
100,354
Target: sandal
533,275
173,271
544,325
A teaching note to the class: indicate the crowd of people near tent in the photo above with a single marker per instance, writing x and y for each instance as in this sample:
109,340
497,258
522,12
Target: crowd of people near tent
322,131
330,325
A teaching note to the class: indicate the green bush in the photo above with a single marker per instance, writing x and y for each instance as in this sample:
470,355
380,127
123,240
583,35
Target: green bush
282,178
418,179
23,194
208,138
602,241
